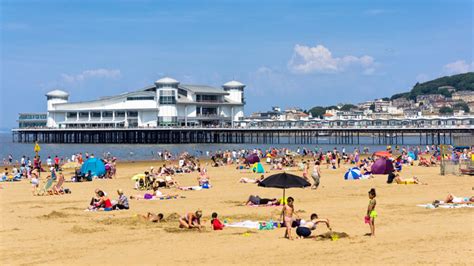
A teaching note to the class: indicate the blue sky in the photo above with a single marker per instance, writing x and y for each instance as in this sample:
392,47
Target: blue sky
289,53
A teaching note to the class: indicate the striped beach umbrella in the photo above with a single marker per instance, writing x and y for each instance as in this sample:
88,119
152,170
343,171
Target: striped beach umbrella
353,173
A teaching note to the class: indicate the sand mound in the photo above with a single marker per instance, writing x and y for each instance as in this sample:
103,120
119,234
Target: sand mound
54,215
173,217
81,230
127,221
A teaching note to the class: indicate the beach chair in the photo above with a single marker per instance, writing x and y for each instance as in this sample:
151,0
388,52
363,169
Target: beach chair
45,188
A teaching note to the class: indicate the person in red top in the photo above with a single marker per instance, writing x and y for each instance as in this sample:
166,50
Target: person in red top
216,224
56,163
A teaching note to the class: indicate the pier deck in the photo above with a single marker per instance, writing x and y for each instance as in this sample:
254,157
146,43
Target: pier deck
388,135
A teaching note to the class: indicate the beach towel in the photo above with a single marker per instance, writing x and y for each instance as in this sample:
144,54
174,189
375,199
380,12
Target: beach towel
446,206
245,224
254,225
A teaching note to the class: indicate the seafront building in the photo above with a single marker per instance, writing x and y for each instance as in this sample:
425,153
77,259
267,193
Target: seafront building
165,103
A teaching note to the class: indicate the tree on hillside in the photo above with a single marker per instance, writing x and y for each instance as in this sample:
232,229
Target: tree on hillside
461,82
445,110
372,107
400,95
462,106
317,111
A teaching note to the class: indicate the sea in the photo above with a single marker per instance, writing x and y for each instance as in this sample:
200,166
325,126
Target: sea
142,152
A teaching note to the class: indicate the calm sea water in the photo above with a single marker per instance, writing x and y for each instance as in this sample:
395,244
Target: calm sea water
149,151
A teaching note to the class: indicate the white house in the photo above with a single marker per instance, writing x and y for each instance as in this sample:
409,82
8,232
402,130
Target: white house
165,103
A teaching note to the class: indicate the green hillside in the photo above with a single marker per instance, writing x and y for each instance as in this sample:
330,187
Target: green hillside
461,82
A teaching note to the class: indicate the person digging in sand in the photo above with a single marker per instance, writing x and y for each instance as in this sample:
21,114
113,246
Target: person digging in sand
191,220
304,231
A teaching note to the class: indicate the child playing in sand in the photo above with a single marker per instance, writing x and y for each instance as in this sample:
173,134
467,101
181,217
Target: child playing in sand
287,214
216,224
371,213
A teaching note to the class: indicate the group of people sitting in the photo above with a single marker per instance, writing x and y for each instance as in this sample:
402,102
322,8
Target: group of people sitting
425,162
102,202
162,177
283,162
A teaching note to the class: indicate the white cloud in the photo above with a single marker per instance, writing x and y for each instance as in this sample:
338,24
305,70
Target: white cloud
92,73
319,59
458,67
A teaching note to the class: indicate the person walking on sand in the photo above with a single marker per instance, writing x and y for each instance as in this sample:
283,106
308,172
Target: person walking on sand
316,175
371,213
287,215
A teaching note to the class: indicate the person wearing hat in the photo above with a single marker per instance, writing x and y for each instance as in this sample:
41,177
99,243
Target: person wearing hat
122,202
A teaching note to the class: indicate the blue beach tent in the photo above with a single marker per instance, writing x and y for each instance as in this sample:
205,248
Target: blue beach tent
96,166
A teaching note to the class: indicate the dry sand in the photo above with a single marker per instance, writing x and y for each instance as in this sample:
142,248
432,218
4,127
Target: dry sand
57,230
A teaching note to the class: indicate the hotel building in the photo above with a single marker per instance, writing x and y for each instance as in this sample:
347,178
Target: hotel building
165,103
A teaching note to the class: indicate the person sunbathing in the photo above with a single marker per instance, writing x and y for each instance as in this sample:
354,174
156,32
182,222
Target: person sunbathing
154,218
256,200
156,195
407,181
457,200
251,180
191,220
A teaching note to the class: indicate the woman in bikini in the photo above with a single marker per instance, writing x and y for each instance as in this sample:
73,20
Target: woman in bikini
191,220
287,215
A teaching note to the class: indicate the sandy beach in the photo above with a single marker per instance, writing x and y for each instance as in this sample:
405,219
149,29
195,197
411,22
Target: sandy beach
57,230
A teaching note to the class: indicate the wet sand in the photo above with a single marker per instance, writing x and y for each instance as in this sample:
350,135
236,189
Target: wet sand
57,230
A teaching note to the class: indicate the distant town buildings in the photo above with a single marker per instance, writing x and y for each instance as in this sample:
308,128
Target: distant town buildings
430,106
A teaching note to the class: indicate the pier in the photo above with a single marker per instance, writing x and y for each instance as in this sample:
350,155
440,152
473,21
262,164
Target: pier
381,136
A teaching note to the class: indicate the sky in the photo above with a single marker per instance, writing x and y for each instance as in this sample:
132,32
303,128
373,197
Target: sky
288,53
